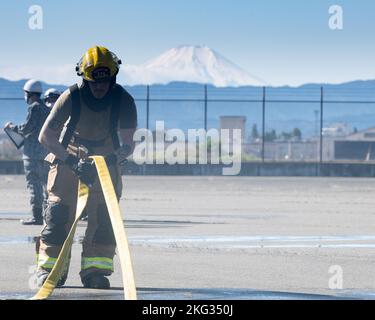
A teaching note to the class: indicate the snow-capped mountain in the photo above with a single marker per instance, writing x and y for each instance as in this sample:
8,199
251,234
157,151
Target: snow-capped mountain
189,64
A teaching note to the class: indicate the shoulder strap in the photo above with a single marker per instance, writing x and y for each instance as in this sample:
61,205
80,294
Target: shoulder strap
74,117
115,115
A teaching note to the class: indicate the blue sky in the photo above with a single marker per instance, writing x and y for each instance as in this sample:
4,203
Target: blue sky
283,42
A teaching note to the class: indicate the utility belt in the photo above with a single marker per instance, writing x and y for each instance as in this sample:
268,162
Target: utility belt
111,160
89,144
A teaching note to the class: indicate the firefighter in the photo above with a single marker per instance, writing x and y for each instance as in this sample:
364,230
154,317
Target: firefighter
97,117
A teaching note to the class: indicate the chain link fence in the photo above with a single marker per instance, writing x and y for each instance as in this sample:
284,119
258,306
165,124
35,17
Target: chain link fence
306,124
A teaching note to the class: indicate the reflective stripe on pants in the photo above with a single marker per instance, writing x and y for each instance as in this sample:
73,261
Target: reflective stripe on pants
45,262
101,263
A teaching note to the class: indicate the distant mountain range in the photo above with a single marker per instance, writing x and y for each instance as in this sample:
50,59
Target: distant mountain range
284,111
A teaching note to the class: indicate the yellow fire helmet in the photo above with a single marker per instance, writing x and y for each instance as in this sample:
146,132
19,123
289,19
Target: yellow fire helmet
98,64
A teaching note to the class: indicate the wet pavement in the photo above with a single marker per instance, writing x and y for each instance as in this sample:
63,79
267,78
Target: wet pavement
77,293
218,238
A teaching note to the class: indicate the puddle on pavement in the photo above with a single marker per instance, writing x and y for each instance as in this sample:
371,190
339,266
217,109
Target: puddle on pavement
27,240
180,294
232,242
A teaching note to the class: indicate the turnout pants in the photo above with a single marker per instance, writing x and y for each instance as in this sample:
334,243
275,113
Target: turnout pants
99,242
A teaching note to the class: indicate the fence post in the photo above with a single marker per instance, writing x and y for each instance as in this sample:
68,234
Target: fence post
148,108
205,106
263,124
321,128
147,125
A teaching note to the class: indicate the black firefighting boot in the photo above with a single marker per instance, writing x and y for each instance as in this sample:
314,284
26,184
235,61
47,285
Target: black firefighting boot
96,281
36,219
42,276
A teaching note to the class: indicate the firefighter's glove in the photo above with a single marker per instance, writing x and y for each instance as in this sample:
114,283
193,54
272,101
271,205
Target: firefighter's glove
84,169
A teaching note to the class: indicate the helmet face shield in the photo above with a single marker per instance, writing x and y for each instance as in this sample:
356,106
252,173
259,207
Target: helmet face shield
51,100
28,95
101,74
51,96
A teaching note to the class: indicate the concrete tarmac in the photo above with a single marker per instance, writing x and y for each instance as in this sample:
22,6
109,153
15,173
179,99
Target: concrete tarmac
219,238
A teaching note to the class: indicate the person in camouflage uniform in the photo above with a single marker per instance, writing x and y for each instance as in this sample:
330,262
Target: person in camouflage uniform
36,169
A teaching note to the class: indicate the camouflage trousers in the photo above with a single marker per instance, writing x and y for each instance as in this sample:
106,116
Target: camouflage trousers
36,172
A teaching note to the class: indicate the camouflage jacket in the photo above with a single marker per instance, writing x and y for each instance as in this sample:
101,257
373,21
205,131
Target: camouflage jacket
37,115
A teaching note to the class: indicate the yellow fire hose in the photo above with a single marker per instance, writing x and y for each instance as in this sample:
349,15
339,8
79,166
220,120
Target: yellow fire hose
118,227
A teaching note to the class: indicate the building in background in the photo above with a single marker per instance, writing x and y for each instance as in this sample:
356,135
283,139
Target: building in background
340,129
231,123
356,146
